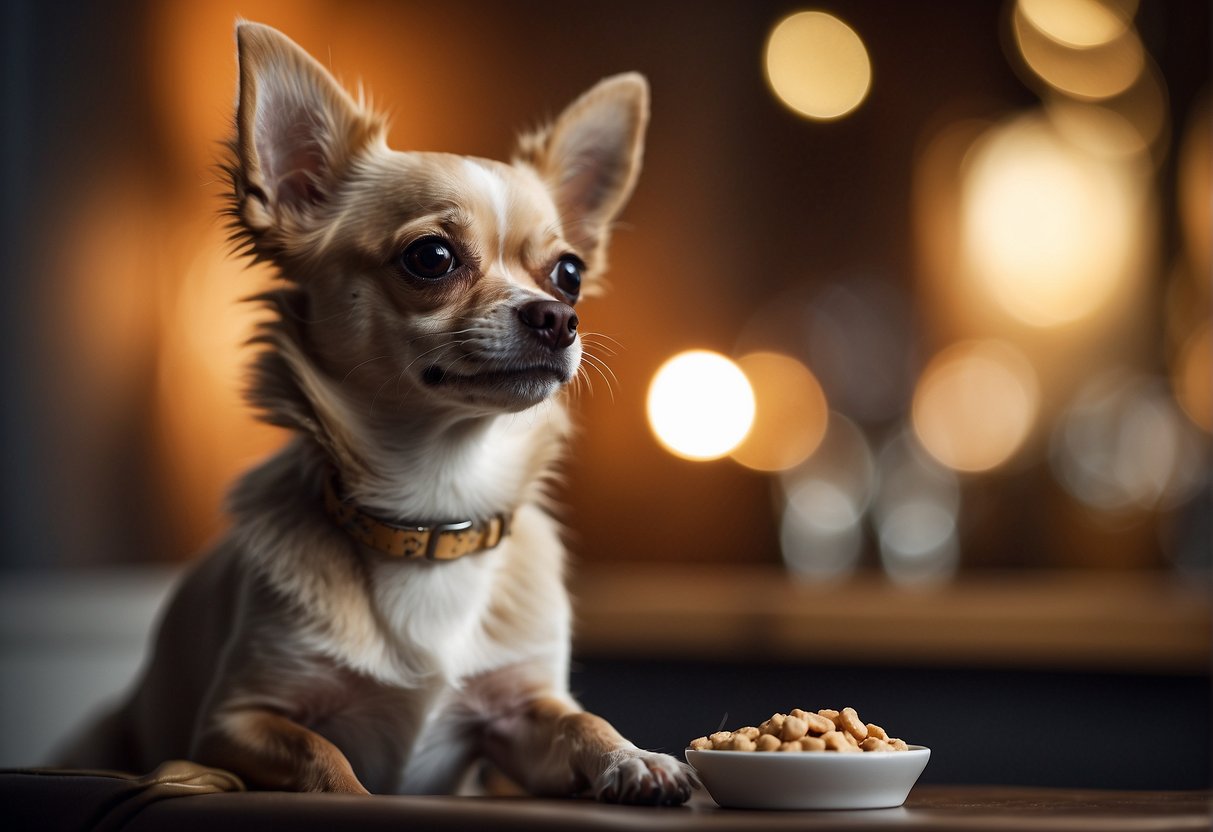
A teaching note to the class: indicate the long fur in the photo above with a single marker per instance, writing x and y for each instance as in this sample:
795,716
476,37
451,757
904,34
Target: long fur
291,654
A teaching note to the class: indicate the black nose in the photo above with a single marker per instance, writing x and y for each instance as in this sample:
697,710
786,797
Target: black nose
553,322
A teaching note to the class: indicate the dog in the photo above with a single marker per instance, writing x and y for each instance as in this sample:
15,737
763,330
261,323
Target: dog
388,606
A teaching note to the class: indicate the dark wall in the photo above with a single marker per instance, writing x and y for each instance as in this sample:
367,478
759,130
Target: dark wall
1077,730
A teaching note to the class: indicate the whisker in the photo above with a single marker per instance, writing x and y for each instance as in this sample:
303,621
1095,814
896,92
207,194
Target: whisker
400,399
614,341
599,362
601,347
371,410
404,371
442,334
595,365
476,352
583,376
346,377
446,345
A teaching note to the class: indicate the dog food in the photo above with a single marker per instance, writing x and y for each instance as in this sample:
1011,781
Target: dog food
826,730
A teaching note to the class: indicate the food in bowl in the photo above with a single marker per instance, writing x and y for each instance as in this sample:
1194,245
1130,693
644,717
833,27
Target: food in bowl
799,730
839,776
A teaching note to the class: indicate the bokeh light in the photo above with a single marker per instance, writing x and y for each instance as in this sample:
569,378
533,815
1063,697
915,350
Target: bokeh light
208,432
1098,130
1146,105
821,532
817,65
918,543
700,405
915,513
1079,23
975,405
853,332
1090,73
110,313
861,343
790,415
1123,444
1193,379
1048,231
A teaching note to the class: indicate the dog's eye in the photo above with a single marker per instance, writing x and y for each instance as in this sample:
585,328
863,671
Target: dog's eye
429,258
566,276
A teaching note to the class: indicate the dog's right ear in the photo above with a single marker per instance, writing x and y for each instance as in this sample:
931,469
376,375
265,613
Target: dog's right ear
297,131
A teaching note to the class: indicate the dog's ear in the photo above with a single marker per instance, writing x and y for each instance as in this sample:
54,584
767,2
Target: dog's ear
297,131
590,157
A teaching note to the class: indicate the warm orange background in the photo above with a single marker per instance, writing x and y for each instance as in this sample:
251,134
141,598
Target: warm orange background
133,355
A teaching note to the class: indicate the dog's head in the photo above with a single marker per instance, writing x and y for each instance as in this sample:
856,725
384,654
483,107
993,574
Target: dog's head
420,281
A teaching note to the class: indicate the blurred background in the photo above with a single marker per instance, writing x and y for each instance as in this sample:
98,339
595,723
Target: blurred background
908,383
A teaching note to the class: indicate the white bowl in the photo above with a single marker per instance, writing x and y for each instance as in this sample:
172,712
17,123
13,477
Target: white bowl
809,779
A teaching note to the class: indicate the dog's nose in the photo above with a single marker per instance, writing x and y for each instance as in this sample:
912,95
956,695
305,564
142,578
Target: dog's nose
555,323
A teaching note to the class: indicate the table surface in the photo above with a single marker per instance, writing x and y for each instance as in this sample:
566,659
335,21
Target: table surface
929,808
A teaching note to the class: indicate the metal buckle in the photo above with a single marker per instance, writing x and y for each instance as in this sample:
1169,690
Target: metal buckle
501,524
436,531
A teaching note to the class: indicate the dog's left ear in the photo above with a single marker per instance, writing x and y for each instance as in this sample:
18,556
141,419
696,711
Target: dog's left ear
590,157
297,131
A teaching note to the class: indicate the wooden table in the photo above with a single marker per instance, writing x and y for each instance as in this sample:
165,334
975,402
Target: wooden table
197,800
929,808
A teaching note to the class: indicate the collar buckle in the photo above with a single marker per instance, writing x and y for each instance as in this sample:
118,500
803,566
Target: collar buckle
436,534
437,542
495,529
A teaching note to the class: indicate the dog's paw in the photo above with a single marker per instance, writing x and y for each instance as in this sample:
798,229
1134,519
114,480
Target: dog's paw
635,776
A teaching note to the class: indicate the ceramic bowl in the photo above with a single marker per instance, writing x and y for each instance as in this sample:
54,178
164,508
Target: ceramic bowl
810,779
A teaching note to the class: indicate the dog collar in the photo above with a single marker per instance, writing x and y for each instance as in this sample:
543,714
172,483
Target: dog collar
440,541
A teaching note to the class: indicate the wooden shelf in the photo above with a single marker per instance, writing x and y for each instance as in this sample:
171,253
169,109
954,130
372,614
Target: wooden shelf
1077,620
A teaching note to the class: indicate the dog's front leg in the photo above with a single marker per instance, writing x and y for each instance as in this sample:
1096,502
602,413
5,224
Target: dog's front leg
550,746
270,751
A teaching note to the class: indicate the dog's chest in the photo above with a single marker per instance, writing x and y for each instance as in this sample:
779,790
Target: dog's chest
408,718
401,731
405,741
377,728
433,613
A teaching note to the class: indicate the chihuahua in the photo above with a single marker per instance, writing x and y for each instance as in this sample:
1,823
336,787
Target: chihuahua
388,606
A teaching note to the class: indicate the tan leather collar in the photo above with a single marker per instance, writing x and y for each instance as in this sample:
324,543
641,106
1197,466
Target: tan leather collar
440,541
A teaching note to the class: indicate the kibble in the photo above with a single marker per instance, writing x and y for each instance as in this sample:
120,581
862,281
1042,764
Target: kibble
799,730
773,726
812,744
793,729
765,742
818,724
848,721
741,742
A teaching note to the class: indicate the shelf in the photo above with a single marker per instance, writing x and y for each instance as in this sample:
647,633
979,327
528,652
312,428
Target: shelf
1073,620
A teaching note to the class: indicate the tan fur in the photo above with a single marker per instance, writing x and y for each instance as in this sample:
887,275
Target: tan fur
295,657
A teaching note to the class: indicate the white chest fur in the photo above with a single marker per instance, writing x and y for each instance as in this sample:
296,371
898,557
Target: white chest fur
414,727
433,613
